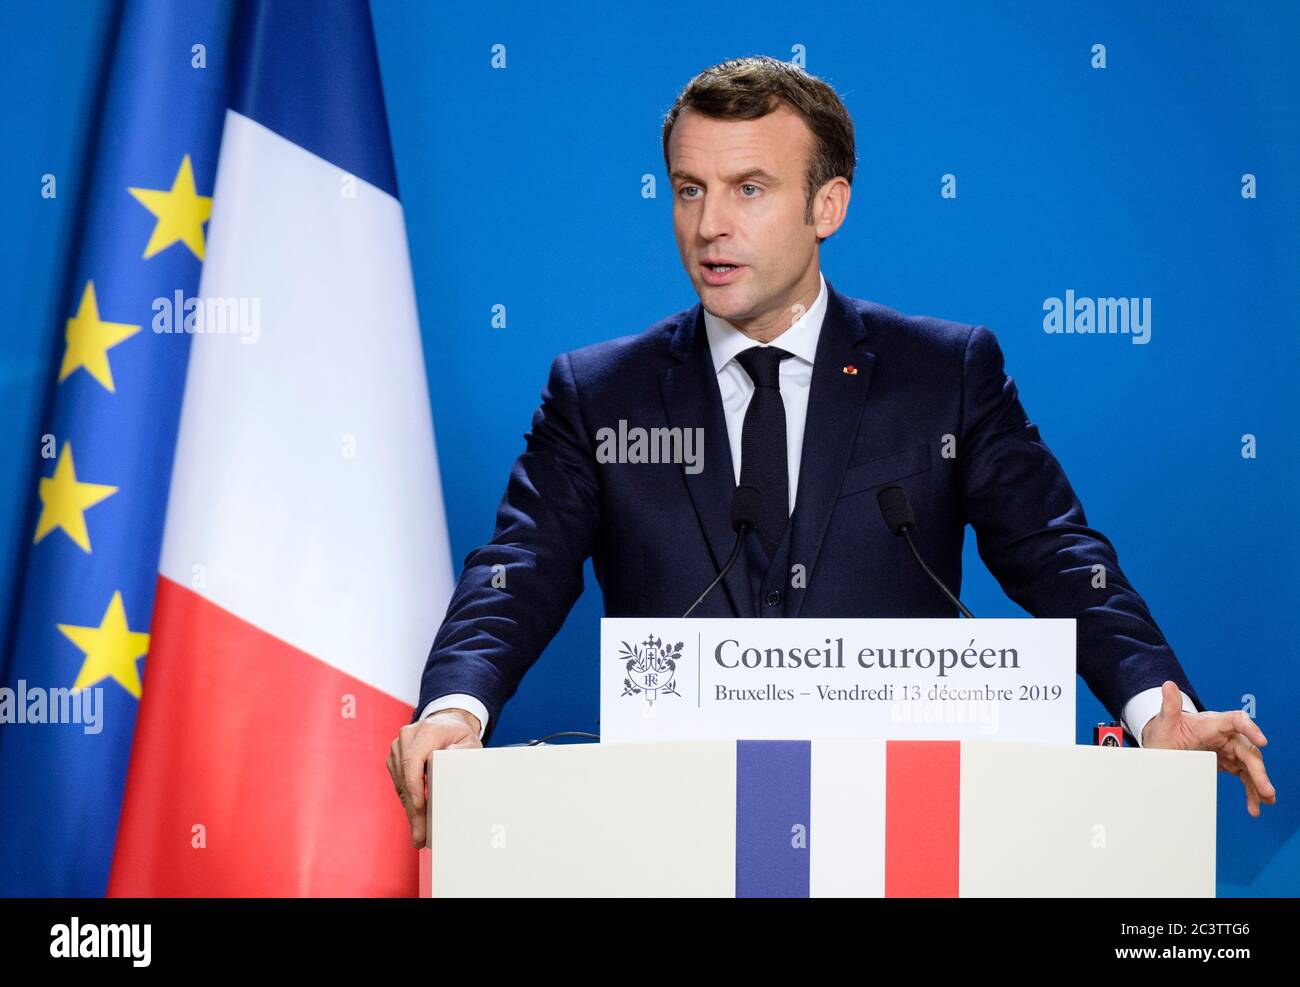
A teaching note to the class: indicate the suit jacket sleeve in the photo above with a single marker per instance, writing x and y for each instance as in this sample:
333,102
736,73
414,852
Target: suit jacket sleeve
1032,534
516,591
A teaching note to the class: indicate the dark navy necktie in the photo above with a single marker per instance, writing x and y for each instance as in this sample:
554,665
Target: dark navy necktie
763,456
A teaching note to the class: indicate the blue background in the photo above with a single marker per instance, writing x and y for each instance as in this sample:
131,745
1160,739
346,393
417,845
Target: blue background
522,187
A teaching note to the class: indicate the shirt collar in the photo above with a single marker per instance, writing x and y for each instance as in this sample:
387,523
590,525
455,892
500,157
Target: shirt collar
725,340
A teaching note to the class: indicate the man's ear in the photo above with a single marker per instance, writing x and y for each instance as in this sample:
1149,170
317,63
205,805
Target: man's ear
831,207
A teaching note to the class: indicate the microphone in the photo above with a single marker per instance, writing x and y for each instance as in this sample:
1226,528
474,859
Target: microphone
745,503
897,512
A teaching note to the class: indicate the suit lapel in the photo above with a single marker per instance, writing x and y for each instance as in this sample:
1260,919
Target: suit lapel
692,400
835,406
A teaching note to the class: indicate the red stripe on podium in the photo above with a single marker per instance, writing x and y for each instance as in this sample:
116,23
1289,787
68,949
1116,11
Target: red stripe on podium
246,776
922,818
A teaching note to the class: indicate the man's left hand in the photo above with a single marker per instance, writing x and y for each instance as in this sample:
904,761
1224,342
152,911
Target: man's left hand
1233,736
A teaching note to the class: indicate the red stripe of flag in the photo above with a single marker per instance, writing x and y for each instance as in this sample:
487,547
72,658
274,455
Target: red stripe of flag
922,818
244,735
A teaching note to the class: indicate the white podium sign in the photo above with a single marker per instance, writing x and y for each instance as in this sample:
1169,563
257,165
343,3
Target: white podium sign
837,678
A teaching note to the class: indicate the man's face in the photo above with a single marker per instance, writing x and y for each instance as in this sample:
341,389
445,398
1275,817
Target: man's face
738,195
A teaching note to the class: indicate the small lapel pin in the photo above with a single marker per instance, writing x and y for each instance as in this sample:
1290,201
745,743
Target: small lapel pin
851,370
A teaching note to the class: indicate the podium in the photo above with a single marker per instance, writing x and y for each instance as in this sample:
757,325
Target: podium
822,818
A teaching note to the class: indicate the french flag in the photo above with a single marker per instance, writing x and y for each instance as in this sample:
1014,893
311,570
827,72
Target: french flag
305,564
886,815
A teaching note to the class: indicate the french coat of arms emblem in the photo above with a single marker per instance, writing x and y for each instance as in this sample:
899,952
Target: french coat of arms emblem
650,667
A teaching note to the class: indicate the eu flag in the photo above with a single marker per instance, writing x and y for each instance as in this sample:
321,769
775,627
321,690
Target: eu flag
77,656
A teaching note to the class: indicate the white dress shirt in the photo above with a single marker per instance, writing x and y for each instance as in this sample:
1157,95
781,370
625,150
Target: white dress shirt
736,387
726,341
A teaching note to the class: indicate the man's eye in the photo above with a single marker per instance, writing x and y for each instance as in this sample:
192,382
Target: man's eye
755,187
684,189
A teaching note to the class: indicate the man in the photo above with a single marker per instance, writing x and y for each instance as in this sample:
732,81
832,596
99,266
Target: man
817,398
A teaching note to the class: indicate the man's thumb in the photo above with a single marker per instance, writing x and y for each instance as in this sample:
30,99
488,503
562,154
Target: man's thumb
1171,700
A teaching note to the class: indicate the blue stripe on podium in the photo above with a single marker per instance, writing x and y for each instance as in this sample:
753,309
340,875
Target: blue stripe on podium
773,803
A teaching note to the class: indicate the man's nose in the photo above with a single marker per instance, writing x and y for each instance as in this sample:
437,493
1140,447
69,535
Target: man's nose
715,217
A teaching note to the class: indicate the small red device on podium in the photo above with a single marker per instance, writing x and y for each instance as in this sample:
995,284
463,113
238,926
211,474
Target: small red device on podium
1108,735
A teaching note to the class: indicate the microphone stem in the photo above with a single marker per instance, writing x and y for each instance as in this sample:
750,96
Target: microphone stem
933,578
735,554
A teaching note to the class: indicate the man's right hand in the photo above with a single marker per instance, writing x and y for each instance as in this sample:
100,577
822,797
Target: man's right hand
447,728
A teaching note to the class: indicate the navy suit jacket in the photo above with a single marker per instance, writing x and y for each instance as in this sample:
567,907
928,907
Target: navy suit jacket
930,406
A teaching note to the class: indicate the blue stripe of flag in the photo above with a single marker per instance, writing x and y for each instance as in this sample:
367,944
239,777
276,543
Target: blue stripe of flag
309,72
773,804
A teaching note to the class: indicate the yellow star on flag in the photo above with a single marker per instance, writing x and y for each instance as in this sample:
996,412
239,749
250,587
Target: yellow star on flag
64,499
181,212
112,649
89,340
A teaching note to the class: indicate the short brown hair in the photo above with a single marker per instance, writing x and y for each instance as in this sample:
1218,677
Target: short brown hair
752,87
